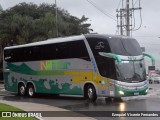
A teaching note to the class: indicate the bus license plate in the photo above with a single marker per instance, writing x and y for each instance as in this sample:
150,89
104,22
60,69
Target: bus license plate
137,93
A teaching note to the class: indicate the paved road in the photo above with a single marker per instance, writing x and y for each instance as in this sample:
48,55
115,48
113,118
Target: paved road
151,102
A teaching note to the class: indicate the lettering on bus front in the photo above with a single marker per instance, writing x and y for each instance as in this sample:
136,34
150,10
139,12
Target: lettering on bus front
131,58
53,65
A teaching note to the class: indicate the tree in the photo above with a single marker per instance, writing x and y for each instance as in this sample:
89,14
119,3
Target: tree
26,23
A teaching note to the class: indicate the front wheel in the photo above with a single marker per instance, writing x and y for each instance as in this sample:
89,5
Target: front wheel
30,90
91,93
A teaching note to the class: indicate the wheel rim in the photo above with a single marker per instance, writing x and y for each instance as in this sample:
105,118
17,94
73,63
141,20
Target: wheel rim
30,92
90,93
22,90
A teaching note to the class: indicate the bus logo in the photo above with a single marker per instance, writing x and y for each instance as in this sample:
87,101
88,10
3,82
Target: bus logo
100,45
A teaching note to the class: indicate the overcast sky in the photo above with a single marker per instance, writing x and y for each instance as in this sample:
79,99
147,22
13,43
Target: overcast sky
147,35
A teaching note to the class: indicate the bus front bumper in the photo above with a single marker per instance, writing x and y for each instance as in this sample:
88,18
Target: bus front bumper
135,91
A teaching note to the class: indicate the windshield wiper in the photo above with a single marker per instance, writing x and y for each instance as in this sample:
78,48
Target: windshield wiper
136,77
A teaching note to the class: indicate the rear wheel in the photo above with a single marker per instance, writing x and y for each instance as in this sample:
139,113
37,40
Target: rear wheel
30,90
91,93
21,89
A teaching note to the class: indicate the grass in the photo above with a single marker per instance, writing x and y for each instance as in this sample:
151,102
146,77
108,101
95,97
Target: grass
4,107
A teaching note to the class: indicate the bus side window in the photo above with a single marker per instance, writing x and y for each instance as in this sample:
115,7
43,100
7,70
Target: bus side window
61,51
78,49
106,66
48,52
27,54
7,55
20,55
16,55
36,53
99,45
73,49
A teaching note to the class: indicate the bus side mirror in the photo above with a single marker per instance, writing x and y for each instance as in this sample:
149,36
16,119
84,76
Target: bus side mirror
151,57
111,55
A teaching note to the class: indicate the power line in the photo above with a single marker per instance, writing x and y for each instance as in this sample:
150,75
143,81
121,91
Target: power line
149,36
140,17
119,3
102,11
134,20
136,2
126,17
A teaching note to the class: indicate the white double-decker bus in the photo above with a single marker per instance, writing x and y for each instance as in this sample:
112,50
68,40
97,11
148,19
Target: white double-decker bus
90,65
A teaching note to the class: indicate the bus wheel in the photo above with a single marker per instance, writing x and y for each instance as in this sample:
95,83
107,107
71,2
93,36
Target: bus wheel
91,93
118,99
108,99
21,89
30,90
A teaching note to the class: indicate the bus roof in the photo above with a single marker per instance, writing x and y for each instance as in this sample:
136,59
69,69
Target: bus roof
66,39
106,36
49,41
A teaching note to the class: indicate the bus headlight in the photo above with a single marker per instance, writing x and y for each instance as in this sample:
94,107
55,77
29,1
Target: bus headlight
121,92
146,90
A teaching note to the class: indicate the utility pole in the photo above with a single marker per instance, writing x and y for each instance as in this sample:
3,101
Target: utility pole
56,18
124,17
127,18
121,27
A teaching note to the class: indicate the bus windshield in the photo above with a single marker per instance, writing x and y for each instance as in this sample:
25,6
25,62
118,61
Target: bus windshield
131,71
127,47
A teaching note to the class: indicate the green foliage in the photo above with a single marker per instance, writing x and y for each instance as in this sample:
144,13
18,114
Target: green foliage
4,107
25,23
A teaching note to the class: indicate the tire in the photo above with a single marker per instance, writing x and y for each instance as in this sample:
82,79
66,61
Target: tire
30,91
108,99
91,93
113,99
118,99
21,89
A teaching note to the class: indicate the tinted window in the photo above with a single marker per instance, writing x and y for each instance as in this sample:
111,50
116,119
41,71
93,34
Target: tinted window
13,55
127,47
32,53
74,49
105,65
98,45
48,52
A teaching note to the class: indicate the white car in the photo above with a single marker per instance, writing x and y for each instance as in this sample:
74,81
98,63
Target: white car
154,78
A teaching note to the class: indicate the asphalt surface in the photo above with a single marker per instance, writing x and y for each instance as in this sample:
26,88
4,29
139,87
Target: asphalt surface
150,102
